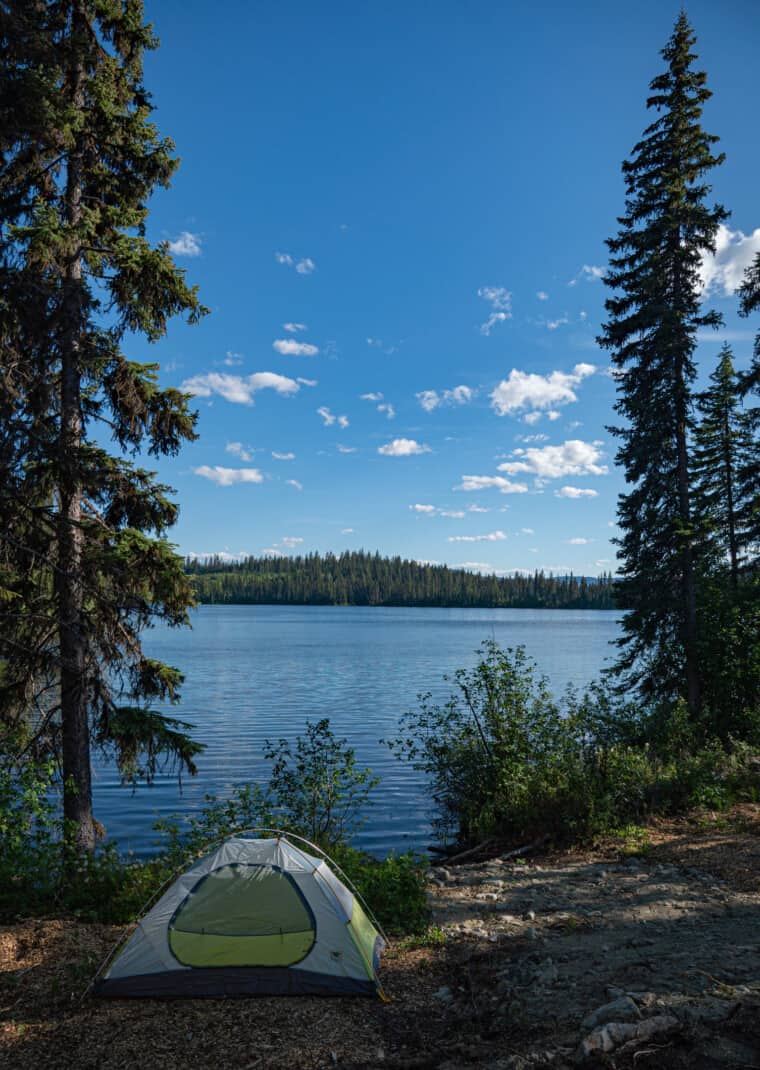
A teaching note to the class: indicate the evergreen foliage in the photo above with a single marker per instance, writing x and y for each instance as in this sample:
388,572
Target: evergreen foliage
365,579
651,332
84,560
749,476
723,446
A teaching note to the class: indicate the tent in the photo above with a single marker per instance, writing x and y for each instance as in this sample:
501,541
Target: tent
253,917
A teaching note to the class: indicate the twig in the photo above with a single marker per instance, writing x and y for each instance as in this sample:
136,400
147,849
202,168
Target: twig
470,851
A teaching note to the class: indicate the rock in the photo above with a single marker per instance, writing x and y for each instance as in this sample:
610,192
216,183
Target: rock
530,915
546,974
444,995
622,1009
614,1034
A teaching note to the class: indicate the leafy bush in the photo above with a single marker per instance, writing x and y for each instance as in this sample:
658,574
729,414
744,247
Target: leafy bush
503,757
315,789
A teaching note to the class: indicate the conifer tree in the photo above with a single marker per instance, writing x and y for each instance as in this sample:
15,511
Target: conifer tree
722,450
84,560
749,477
651,331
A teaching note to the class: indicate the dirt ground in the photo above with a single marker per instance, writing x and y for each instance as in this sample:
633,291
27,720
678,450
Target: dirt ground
529,950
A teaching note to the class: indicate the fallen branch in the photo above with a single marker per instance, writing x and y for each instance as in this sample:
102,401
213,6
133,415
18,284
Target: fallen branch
470,851
528,847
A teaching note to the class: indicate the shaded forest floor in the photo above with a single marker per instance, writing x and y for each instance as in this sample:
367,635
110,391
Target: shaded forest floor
665,922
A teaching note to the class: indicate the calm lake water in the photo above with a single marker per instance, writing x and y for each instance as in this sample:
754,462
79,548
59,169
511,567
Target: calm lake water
258,672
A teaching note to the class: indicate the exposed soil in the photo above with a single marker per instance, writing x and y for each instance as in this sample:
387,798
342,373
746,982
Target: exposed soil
532,948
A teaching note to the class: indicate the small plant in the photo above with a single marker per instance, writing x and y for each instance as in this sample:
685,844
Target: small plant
432,937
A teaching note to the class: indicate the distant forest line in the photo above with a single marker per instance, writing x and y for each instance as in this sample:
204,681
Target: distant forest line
367,579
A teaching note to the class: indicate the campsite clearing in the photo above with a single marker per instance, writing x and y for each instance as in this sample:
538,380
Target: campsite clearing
670,938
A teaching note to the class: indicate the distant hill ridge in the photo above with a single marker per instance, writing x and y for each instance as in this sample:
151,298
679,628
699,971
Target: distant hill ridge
360,578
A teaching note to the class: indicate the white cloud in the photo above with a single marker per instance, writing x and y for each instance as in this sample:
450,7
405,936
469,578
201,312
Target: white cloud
542,295
290,541
307,382
485,482
572,458
528,390
500,301
347,531
384,406
294,327
575,492
239,450
527,531
346,449
372,396
388,409
288,347
532,417
330,418
722,271
283,456
294,483
493,536
305,266
458,395
453,514
602,562
428,510
532,438
477,509
186,244
552,414
403,447
554,324
589,272
579,541
233,359
475,566
226,477
236,388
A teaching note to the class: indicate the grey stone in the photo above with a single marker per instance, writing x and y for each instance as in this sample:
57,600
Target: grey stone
622,1009
444,995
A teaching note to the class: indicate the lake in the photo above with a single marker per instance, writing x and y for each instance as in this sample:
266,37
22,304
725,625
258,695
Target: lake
258,672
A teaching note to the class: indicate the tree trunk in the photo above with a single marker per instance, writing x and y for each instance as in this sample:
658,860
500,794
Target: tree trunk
688,572
77,785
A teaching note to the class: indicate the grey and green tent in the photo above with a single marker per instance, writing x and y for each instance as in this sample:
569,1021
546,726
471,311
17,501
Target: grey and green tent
253,917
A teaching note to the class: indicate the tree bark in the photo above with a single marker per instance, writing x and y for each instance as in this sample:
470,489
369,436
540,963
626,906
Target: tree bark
77,784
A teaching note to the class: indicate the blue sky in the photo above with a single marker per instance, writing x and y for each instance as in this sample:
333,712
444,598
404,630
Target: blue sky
396,213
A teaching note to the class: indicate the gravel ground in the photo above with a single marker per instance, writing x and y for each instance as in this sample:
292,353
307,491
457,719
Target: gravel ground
578,958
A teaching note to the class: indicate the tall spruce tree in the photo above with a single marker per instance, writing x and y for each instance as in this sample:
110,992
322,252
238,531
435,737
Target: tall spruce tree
749,476
651,332
722,451
84,560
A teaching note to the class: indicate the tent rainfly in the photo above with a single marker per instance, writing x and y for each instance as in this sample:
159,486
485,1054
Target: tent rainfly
254,917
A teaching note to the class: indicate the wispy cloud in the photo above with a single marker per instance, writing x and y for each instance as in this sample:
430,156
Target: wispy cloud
347,531
294,327
288,347
236,388
579,541
552,325
232,360
186,244
492,536
283,456
384,406
721,272
294,483
426,510
346,449
403,447
458,395
572,458
304,266
329,418
227,477
238,450
307,382
528,390
576,492
505,486
500,301
542,295
589,272
372,396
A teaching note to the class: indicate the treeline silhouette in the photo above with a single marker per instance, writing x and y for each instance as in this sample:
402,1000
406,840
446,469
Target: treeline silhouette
358,578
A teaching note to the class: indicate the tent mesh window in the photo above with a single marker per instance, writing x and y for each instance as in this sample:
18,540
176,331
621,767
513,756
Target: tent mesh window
243,915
